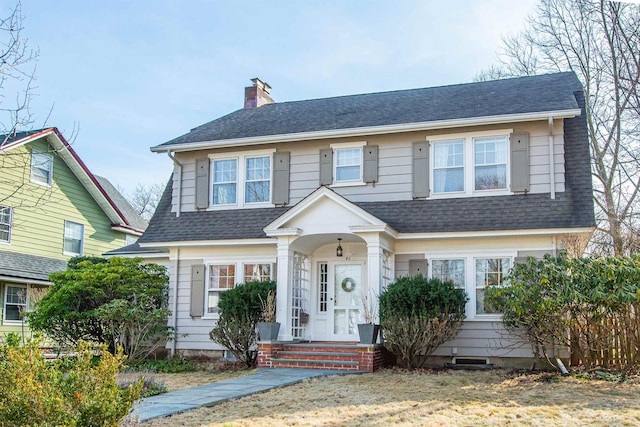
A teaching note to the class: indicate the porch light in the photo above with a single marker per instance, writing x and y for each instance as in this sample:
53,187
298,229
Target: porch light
339,248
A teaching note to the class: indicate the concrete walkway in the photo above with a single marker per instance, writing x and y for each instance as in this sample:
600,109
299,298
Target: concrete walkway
174,402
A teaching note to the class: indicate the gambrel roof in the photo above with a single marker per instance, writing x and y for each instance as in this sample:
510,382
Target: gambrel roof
503,101
497,101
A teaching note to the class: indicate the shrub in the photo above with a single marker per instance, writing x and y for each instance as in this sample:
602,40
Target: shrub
117,301
418,315
591,305
34,392
172,365
240,311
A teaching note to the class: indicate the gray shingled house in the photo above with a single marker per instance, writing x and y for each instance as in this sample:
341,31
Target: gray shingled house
335,198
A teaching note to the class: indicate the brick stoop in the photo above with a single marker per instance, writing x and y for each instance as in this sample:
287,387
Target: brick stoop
321,355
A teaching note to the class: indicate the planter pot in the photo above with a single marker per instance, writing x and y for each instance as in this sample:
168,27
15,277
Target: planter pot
368,333
268,331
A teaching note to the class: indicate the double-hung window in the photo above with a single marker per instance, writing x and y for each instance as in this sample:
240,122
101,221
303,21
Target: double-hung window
490,163
259,272
41,168
449,270
222,277
348,165
448,166
241,180
489,272
6,214
73,238
15,302
473,274
257,179
470,164
225,175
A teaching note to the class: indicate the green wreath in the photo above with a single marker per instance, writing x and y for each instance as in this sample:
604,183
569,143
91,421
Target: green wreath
348,284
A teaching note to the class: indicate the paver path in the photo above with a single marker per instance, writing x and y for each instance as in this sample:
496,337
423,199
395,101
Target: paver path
174,402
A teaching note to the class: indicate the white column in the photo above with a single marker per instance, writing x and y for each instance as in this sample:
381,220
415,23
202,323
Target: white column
374,268
283,295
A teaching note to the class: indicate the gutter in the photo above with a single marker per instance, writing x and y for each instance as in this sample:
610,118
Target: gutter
362,131
179,166
174,341
552,160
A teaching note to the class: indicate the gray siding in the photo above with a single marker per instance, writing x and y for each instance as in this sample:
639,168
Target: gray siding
395,165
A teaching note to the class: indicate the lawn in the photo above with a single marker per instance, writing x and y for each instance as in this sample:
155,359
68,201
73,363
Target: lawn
429,398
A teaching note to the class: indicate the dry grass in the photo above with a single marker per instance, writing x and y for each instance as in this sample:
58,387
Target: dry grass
447,398
183,380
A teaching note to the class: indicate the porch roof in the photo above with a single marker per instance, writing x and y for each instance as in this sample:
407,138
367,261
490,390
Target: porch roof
28,267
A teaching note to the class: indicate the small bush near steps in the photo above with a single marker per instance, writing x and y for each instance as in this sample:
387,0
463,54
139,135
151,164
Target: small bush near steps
37,392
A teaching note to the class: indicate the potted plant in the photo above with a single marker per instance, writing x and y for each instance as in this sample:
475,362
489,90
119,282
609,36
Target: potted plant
268,328
368,330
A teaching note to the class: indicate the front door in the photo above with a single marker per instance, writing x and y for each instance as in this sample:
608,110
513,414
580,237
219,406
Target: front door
345,302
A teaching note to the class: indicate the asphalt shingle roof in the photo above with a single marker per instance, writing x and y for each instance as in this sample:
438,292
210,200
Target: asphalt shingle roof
133,218
570,209
550,92
23,266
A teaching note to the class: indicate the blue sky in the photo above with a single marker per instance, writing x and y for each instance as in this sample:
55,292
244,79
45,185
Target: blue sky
134,74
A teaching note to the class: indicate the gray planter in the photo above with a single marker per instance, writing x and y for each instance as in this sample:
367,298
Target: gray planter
368,333
268,331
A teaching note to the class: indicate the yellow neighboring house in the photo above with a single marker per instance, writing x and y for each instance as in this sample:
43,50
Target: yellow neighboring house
52,208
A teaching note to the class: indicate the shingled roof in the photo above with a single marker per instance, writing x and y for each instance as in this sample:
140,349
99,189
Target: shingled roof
29,267
544,93
572,208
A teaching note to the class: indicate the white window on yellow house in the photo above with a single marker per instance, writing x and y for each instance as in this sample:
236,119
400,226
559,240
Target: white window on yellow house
41,168
6,216
73,238
15,303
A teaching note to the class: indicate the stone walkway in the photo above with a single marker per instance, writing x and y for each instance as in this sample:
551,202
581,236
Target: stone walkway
174,402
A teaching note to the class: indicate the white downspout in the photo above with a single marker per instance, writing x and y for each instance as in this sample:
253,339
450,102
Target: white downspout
552,160
179,195
174,342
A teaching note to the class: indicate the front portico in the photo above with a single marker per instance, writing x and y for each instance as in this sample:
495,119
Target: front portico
315,283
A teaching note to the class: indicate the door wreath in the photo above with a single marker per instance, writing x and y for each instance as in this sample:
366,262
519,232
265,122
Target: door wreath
348,284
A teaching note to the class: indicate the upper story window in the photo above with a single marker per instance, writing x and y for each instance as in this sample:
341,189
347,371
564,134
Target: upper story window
73,238
490,166
448,166
348,165
15,302
6,216
41,168
470,164
258,179
241,180
225,176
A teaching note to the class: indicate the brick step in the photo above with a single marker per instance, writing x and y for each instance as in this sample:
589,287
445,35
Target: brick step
315,364
317,347
281,354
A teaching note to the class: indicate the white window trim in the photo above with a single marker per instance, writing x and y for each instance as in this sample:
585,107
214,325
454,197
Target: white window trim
206,314
246,181
6,321
50,177
64,236
241,179
211,184
470,276
239,269
469,164
8,241
334,163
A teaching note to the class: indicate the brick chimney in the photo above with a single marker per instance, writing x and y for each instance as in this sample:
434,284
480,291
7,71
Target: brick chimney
257,95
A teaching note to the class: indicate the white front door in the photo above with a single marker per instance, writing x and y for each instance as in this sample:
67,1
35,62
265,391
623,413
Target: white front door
345,300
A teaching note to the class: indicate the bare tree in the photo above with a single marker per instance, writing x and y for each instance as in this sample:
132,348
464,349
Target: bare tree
600,41
145,199
17,74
